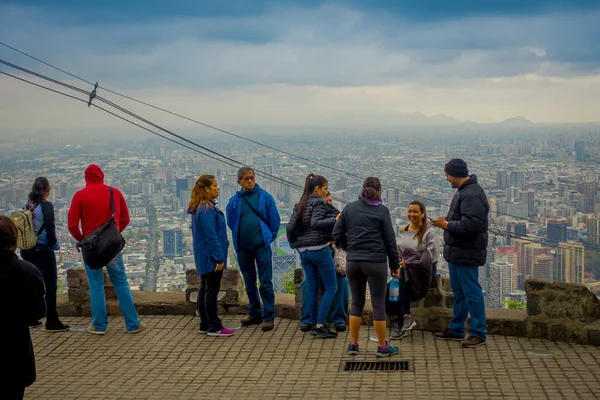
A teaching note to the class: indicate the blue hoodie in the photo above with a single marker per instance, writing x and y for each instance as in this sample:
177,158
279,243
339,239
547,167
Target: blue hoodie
209,237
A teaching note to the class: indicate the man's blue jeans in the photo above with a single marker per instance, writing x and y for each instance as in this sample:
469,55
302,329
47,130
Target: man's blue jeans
339,308
319,263
468,299
116,273
250,261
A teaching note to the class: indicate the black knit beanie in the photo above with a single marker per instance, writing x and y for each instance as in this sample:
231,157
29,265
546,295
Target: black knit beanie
456,168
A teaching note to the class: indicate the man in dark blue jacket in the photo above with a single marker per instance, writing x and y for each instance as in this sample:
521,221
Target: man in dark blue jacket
465,248
254,221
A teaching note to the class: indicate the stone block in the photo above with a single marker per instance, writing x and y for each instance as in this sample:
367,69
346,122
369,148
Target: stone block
434,300
558,333
449,301
532,285
231,279
110,293
78,297
241,310
191,294
445,282
287,311
107,281
539,330
191,277
230,298
533,305
594,337
77,279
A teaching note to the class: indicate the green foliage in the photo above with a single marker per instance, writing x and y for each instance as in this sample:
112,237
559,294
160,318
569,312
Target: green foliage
515,304
287,281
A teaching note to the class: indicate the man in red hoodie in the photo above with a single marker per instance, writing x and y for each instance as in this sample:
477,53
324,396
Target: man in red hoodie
91,208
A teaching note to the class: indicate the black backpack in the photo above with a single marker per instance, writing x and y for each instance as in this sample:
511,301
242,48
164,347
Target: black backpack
104,243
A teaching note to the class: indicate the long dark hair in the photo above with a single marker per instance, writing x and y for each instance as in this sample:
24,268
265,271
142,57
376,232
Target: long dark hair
371,189
38,190
421,232
199,194
312,181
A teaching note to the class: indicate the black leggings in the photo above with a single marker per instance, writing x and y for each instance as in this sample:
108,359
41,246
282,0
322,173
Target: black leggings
210,285
361,272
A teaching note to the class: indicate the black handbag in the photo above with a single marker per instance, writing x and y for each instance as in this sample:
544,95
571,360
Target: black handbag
104,243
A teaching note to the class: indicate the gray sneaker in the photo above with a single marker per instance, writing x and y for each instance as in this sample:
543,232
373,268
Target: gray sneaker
397,332
409,323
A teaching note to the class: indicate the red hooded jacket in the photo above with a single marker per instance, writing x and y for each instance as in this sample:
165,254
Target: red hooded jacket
91,205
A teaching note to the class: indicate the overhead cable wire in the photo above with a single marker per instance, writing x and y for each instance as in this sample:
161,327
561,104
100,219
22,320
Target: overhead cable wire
312,161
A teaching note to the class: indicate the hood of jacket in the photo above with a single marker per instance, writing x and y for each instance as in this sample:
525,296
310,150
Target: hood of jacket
94,175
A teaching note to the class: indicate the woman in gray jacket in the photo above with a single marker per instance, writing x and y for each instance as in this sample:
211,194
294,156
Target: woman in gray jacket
421,236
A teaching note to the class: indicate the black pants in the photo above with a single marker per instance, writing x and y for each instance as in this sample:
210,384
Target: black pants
45,261
13,392
210,284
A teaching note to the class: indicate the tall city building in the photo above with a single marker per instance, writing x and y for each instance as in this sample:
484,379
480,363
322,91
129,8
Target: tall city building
172,240
528,197
510,254
589,189
512,194
556,231
502,281
516,229
517,179
570,263
181,184
543,267
502,179
579,150
593,229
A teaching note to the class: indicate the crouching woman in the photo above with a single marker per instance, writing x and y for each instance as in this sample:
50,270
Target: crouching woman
209,236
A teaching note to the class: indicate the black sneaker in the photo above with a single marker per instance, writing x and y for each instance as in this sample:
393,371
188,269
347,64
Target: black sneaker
36,324
448,335
473,342
304,327
56,327
340,327
251,320
324,332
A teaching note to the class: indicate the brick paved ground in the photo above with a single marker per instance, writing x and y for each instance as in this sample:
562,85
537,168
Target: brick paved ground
171,360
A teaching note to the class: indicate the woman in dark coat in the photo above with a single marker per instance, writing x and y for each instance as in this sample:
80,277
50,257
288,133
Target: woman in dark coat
22,299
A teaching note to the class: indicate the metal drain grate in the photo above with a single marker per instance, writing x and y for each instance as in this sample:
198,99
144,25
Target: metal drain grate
358,366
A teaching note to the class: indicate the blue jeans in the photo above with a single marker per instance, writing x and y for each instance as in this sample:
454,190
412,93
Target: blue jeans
468,299
250,261
116,273
339,308
319,263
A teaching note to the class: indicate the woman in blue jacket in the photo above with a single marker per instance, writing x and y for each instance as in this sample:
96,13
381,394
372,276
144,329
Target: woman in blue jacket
209,235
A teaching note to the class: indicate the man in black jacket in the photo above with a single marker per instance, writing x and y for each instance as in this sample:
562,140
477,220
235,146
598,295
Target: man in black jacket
22,300
465,248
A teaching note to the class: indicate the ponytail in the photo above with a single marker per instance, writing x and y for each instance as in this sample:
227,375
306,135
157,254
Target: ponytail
371,189
312,181
38,190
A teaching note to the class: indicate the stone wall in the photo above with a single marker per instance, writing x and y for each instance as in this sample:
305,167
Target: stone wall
556,311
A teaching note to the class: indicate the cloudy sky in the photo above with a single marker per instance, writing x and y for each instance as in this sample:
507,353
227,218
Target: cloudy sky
309,62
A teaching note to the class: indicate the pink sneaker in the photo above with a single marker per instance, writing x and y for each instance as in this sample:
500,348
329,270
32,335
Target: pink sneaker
223,332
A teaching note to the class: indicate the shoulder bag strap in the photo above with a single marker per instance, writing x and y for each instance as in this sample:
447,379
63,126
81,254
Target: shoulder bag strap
254,210
112,202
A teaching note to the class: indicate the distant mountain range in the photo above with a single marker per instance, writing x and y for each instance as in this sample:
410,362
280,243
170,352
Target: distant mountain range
416,118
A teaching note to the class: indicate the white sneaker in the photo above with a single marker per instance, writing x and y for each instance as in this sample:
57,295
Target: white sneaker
94,331
140,328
